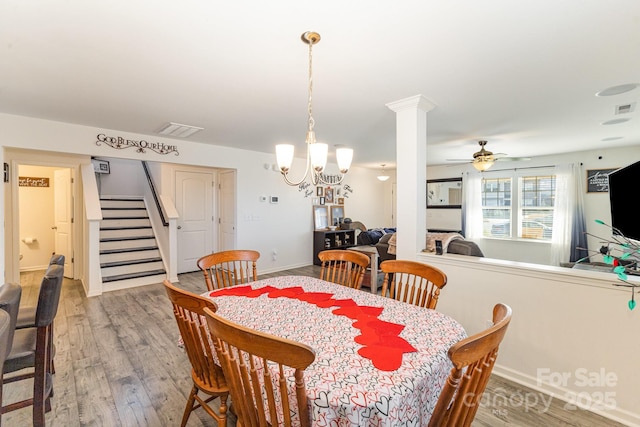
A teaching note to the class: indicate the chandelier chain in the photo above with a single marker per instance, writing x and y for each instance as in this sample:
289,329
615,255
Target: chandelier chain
310,106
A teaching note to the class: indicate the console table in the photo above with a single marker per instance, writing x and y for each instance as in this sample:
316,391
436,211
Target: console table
332,239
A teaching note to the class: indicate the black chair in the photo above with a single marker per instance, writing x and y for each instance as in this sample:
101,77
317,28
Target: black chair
32,348
5,329
27,314
10,294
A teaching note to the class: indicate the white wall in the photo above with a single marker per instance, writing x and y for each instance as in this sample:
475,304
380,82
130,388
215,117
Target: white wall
562,323
286,226
127,178
596,204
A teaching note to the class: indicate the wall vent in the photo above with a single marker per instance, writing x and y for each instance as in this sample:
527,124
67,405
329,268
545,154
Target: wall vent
176,129
625,108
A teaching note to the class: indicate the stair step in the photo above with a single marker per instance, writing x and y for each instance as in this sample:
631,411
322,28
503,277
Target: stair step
125,222
132,275
119,232
124,238
124,213
124,256
129,262
126,217
127,203
123,250
133,268
123,208
132,227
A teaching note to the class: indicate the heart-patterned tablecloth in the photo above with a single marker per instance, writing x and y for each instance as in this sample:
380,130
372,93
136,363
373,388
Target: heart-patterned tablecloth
379,362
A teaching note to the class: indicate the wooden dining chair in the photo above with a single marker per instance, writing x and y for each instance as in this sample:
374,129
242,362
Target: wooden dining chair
412,282
473,359
343,267
228,268
206,373
31,348
261,396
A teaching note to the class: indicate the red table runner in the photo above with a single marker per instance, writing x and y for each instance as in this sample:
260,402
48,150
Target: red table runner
380,340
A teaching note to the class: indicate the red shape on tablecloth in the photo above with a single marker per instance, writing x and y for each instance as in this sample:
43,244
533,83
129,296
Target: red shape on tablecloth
379,326
380,340
383,358
358,312
292,292
315,297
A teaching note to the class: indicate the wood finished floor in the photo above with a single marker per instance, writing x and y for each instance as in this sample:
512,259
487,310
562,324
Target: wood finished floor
117,364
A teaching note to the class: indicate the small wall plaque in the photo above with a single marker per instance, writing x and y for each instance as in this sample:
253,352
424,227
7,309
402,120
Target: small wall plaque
29,181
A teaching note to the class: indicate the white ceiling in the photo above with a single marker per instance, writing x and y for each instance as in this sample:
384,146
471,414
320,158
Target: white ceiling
521,74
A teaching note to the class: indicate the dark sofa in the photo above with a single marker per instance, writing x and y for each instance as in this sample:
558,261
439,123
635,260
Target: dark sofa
453,243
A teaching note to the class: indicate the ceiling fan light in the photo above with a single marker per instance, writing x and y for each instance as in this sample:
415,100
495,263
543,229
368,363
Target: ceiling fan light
482,164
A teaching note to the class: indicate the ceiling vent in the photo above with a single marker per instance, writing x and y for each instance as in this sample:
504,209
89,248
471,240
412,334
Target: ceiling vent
178,130
625,108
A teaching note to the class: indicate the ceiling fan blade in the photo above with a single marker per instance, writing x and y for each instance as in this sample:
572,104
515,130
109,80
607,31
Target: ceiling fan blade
513,159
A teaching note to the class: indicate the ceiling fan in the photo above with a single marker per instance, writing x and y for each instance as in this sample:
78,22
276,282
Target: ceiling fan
484,159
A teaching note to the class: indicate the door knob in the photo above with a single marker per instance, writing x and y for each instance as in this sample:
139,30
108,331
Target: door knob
179,227
54,228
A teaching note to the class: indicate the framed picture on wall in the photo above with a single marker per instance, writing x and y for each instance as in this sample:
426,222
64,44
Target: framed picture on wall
319,191
341,200
328,194
322,200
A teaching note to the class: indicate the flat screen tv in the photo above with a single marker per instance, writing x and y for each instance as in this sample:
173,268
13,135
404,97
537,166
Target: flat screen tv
622,194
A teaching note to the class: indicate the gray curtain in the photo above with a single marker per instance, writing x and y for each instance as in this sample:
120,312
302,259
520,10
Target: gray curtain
579,246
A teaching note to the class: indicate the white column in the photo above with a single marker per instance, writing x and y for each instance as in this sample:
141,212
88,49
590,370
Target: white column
411,157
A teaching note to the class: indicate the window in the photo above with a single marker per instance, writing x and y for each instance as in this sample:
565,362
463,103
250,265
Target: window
520,206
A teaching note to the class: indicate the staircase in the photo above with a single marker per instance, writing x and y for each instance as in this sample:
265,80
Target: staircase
129,254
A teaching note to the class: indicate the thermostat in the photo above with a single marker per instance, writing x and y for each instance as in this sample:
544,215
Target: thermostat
273,199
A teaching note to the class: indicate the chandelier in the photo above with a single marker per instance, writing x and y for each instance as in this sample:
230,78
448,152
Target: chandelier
316,152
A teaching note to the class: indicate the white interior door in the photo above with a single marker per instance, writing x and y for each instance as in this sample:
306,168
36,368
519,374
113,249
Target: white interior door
227,210
63,217
194,202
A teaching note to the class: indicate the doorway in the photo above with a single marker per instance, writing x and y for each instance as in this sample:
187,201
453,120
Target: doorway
45,216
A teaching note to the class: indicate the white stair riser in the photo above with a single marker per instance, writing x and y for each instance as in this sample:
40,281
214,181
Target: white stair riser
123,244
126,233
132,283
134,268
107,213
122,204
125,256
124,222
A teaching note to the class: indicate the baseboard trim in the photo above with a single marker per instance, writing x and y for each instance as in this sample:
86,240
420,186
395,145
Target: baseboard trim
619,415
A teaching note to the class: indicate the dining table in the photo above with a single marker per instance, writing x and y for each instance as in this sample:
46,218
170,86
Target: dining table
379,362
